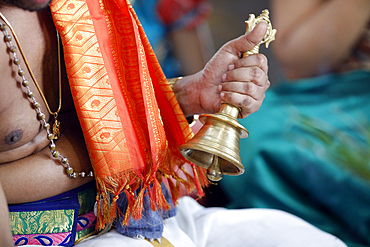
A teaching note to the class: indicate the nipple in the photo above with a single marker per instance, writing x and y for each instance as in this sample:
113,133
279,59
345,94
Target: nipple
13,137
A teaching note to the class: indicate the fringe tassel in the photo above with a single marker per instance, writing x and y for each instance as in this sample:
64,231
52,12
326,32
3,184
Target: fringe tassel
174,191
131,201
138,206
202,181
159,197
110,188
153,206
100,223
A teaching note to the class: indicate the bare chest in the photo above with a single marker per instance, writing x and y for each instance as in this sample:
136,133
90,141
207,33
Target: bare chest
31,90
25,164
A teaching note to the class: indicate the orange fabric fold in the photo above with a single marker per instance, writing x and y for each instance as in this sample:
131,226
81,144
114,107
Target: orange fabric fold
132,123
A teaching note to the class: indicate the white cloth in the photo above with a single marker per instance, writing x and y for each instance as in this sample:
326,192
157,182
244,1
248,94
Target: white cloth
195,225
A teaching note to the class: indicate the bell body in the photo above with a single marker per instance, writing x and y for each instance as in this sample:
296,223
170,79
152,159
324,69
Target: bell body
216,145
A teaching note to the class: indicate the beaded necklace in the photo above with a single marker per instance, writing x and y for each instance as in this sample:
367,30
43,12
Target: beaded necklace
51,135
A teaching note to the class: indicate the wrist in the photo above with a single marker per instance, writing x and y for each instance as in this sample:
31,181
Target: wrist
185,93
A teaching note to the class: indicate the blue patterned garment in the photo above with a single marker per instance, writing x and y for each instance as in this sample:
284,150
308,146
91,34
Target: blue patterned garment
151,224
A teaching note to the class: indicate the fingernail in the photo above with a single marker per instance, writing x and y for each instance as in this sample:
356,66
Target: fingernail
231,66
224,77
219,88
222,95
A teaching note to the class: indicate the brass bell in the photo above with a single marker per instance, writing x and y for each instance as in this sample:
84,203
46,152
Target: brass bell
216,146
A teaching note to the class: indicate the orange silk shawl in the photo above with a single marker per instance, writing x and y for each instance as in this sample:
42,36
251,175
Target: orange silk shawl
131,120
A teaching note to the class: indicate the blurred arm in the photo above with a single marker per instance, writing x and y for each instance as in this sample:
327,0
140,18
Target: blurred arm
192,47
314,36
189,32
6,239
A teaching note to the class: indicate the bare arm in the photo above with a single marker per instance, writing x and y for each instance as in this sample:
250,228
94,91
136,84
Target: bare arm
6,239
314,36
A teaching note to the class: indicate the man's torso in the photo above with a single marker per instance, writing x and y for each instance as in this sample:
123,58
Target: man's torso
27,170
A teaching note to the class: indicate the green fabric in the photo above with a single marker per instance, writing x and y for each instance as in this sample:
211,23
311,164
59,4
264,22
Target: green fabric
287,168
41,222
36,220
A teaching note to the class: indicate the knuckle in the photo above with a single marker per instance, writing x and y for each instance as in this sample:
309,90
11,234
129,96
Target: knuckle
256,72
248,87
250,106
246,103
260,58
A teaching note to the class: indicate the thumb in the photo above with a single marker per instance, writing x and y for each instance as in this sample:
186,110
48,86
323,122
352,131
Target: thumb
247,41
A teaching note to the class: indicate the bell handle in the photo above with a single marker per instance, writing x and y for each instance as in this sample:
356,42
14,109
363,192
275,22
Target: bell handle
270,33
229,110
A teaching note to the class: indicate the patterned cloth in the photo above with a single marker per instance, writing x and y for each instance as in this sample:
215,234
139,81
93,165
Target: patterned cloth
130,118
57,221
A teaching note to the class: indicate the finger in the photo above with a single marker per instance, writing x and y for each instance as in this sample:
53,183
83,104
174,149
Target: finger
246,103
244,88
259,60
247,41
250,109
254,74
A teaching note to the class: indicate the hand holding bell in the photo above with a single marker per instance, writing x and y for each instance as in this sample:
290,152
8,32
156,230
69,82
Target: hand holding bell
216,145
